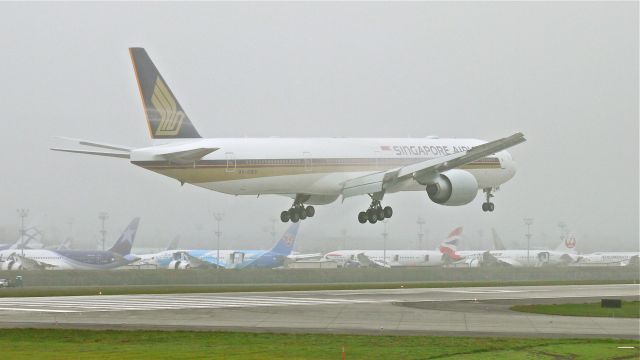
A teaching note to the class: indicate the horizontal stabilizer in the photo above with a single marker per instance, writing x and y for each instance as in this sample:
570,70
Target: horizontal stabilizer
98,144
99,153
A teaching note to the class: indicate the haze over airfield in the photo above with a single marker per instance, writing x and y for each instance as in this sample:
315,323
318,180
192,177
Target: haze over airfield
565,74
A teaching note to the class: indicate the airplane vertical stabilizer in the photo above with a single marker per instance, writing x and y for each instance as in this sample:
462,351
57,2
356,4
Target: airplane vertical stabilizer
165,116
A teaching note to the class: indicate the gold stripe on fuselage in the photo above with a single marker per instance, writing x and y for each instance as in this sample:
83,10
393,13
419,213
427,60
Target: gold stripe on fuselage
221,170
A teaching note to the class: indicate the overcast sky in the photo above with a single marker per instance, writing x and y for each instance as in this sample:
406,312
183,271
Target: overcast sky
565,74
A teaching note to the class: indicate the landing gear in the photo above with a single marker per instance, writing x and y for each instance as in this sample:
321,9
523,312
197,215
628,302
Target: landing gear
488,205
297,212
375,213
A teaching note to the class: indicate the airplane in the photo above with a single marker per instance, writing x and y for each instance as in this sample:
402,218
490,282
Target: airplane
32,235
30,259
227,259
612,258
311,171
395,258
563,254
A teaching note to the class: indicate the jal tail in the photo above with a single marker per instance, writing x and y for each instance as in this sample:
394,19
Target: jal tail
568,244
165,116
285,245
449,247
125,242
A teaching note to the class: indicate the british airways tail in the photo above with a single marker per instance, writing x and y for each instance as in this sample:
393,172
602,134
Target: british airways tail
165,116
568,244
285,245
449,247
125,242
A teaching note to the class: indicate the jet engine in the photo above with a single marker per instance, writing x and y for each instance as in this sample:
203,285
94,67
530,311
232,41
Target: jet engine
11,264
179,265
453,187
180,262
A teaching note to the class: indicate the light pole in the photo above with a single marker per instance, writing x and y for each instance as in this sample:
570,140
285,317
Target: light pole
22,213
528,222
384,248
103,216
420,222
218,217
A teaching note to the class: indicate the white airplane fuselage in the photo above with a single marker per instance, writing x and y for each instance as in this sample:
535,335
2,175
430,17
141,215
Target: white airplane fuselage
313,166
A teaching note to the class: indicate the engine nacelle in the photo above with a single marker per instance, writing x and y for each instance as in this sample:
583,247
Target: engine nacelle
11,264
453,187
179,265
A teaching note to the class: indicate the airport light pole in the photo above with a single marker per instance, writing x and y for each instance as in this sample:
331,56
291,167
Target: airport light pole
22,213
219,217
103,216
528,222
384,248
420,223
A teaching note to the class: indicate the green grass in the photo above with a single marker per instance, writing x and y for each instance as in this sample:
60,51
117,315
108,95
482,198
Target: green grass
88,344
175,289
629,309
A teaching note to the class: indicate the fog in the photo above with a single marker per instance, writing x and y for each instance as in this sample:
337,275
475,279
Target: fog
565,74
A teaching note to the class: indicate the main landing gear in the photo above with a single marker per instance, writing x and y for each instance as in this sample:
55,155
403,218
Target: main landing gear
297,212
375,213
488,205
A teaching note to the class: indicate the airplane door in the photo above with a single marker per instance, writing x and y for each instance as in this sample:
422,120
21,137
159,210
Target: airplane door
308,163
231,162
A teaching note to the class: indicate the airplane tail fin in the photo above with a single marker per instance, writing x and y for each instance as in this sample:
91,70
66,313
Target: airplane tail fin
285,245
497,242
568,244
125,242
449,247
173,245
165,116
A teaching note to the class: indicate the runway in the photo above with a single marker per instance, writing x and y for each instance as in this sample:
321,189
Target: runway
445,311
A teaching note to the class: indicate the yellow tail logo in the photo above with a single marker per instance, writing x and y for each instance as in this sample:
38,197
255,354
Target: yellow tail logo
170,117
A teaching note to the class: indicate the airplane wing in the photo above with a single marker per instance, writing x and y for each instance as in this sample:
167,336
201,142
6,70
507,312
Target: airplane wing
202,264
367,261
426,170
296,257
30,264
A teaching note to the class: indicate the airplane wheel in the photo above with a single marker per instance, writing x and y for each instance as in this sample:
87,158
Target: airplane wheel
284,216
388,212
302,215
484,207
362,217
380,214
292,212
295,218
310,211
373,219
490,206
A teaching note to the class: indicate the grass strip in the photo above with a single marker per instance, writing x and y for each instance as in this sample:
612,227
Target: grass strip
102,344
629,309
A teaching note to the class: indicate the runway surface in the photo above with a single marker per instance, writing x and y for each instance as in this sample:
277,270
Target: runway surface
448,311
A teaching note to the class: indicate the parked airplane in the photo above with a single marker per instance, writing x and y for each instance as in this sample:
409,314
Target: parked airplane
229,259
396,258
609,259
29,259
563,254
311,171
32,239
